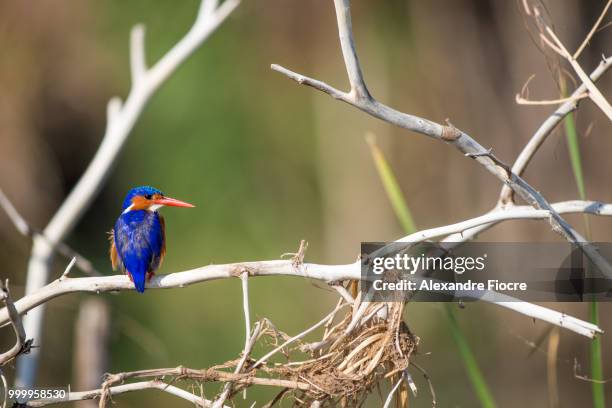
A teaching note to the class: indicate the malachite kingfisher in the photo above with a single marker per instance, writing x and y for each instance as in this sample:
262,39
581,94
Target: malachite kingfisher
138,241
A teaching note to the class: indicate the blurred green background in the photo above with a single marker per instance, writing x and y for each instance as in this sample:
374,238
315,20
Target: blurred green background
268,162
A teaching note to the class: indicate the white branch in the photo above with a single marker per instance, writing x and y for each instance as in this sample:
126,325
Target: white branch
548,126
245,305
298,336
18,221
16,324
248,347
510,213
593,30
459,139
351,61
594,93
114,283
27,230
4,388
136,386
138,63
326,273
68,269
121,120
249,340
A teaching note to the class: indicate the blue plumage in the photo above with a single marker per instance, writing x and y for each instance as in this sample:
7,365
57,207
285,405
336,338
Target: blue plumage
138,240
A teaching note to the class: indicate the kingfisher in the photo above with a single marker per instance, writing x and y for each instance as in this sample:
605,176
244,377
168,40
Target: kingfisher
138,241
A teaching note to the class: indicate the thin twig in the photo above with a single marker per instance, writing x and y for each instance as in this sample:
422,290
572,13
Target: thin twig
227,388
22,345
546,129
344,293
428,379
585,378
27,230
68,269
4,388
593,30
594,93
297,337
123,388
522,101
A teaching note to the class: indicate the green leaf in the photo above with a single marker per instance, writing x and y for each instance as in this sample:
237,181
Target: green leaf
573,145
599,400
574,152
394,193
469,361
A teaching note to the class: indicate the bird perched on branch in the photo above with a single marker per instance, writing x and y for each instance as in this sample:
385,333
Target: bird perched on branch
138,241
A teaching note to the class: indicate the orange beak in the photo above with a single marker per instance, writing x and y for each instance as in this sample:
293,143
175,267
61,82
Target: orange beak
172,202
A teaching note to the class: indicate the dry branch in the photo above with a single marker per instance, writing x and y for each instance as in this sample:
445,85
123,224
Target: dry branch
347,370
121,389
546,128
120,121
360,98
22,345
328,273
363,348
27,230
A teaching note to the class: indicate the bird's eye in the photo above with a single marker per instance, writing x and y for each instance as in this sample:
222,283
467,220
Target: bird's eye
148,196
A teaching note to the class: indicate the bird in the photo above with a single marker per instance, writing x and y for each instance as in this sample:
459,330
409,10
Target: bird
138,240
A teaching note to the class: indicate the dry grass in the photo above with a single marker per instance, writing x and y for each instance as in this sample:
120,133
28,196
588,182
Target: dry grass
348,361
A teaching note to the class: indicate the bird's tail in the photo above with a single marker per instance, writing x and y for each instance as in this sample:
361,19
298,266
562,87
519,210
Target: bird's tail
140,284
139,280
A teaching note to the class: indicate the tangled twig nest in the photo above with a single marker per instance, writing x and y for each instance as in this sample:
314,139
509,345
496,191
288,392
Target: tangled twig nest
360,348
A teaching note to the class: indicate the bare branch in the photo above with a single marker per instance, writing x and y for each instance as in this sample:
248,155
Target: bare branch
326,273
121,120
428,379
510,213
522,101
593,30
248,347
121,389
345,32
18,221
21,345
68,269
138,63
180,279
249,341
594,93
4,388
207,7
460,140
548,126
206,375
245,305
344,293
27,230
584,377
298,336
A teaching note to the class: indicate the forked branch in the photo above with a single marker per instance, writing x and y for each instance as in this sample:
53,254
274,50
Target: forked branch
447,133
